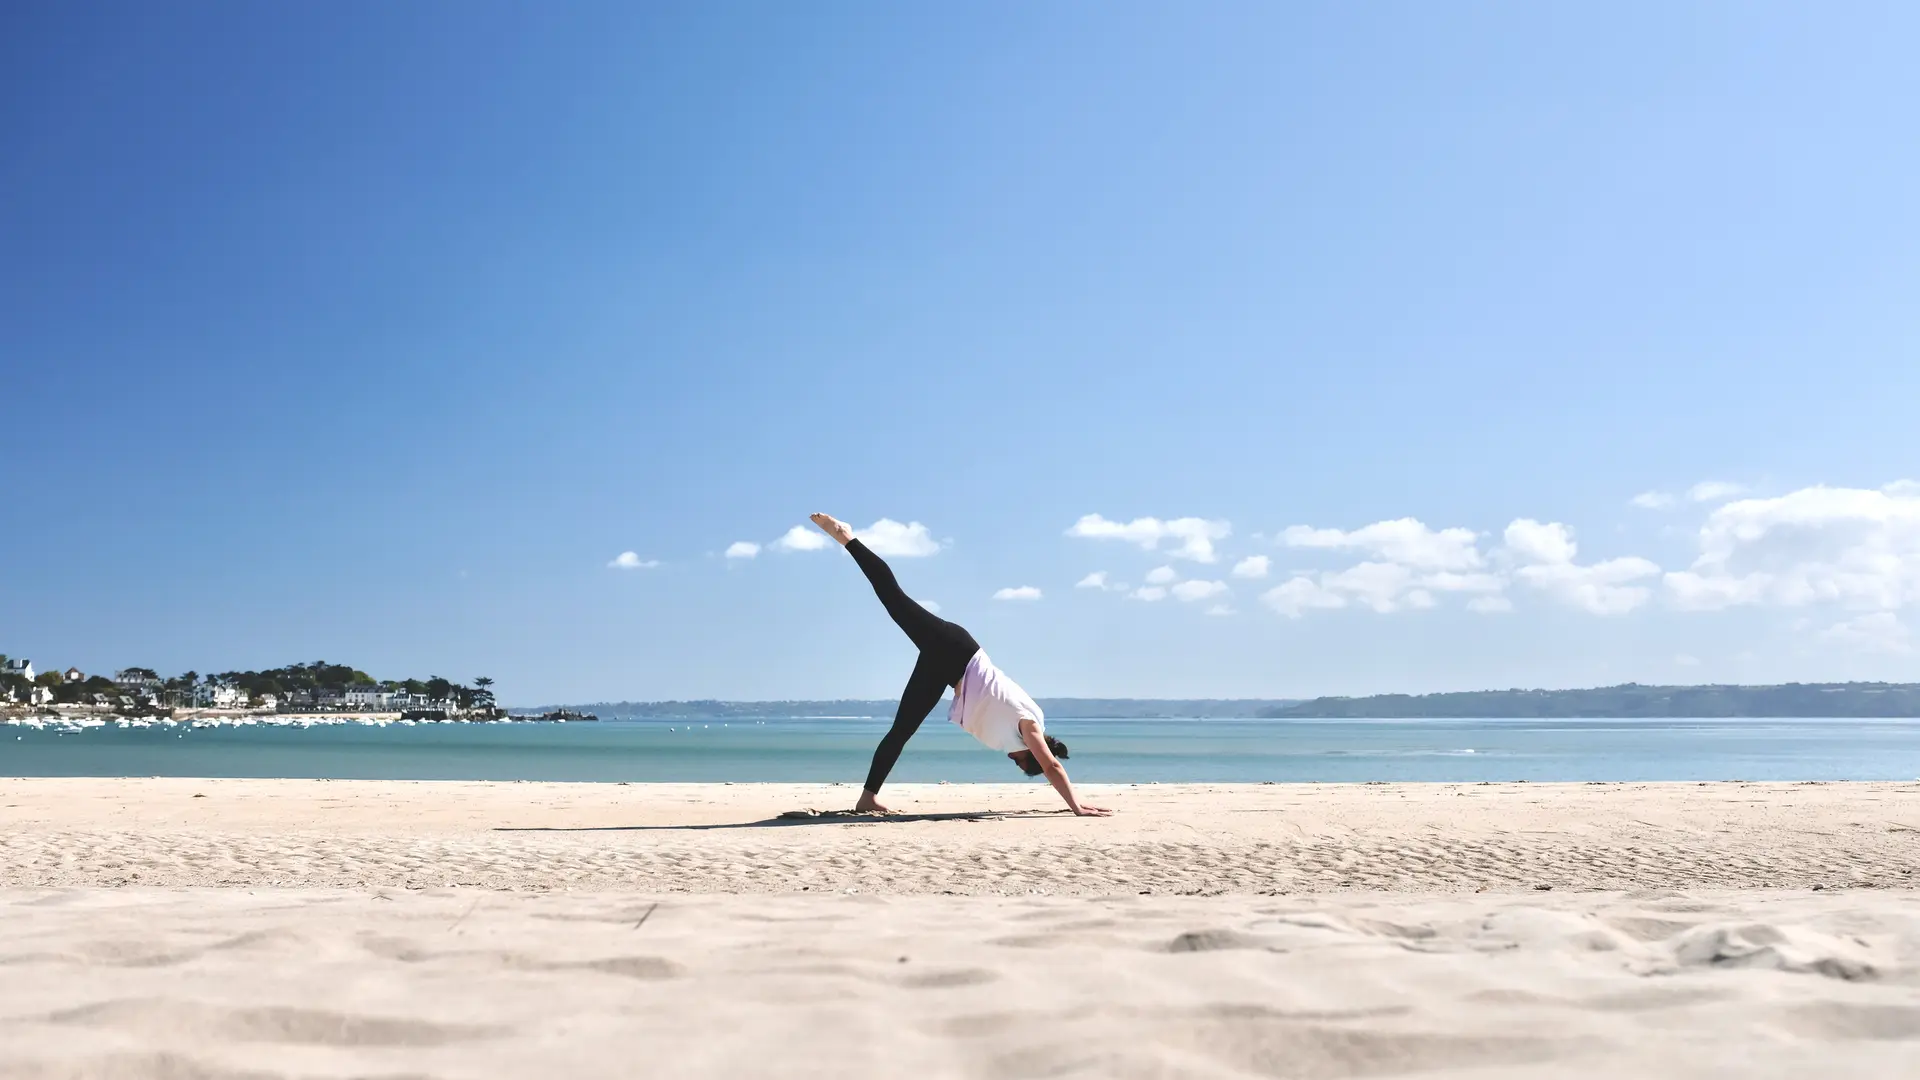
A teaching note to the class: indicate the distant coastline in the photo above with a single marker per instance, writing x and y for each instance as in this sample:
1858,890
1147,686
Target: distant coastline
1626,701
862,708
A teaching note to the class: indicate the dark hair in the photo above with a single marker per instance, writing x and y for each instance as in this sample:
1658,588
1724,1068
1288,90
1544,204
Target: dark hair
1030,764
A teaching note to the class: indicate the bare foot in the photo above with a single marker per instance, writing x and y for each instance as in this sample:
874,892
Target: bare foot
868,802
833,527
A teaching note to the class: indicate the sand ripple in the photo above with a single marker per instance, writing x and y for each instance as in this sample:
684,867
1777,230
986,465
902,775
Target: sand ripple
1464,931
287,983
1006,862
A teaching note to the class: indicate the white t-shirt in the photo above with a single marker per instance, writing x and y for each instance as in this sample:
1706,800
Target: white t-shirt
990,706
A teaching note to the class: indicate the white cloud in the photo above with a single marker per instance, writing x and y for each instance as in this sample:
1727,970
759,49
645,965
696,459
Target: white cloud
1406,541
1221,609
1714,491
1299,595
1602,588
1196,538
1195,535
1599,589
800,538
1162,575
1447,581
1375,584
1409,563
1652,500
1855,548
1148,593
1549,543
631,560
1686,660
889,537
1385,587
1253,566
929,605
1881,631
1412,566
1018,592
1147,532
1192,591
1095,580
1691,591
742,549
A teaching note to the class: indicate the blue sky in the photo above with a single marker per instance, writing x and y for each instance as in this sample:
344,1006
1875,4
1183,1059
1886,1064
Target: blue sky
376,333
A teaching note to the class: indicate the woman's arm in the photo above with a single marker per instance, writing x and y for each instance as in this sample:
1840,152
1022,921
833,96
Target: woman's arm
1056,772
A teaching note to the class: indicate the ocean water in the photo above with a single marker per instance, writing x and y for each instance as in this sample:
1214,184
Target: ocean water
1137,751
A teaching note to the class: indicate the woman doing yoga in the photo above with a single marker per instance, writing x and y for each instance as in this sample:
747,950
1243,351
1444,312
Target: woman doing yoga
991,707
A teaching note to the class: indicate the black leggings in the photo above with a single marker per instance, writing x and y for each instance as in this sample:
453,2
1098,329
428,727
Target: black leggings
944,648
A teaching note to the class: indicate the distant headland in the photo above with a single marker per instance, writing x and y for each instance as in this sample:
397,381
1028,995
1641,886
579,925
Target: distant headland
863,708
1628,700
327,689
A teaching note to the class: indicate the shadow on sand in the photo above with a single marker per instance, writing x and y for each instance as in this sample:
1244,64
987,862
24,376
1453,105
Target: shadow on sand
802,818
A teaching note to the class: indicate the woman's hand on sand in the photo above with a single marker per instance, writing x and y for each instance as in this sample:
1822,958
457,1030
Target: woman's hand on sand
1083,810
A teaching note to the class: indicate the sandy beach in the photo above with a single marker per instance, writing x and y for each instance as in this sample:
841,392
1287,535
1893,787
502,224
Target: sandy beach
249,928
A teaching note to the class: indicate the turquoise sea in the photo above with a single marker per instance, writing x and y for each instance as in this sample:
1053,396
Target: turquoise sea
824,749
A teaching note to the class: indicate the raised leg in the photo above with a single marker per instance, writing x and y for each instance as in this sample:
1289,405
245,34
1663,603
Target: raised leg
921,626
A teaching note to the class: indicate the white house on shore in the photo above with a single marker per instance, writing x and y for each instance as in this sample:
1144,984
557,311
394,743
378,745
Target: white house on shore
74,674
368,697
406,702
358,699
22,668
217,696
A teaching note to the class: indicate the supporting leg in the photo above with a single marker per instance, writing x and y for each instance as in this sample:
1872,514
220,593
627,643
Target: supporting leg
916,701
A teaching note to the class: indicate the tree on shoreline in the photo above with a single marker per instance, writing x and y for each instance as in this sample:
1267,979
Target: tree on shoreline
318,677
